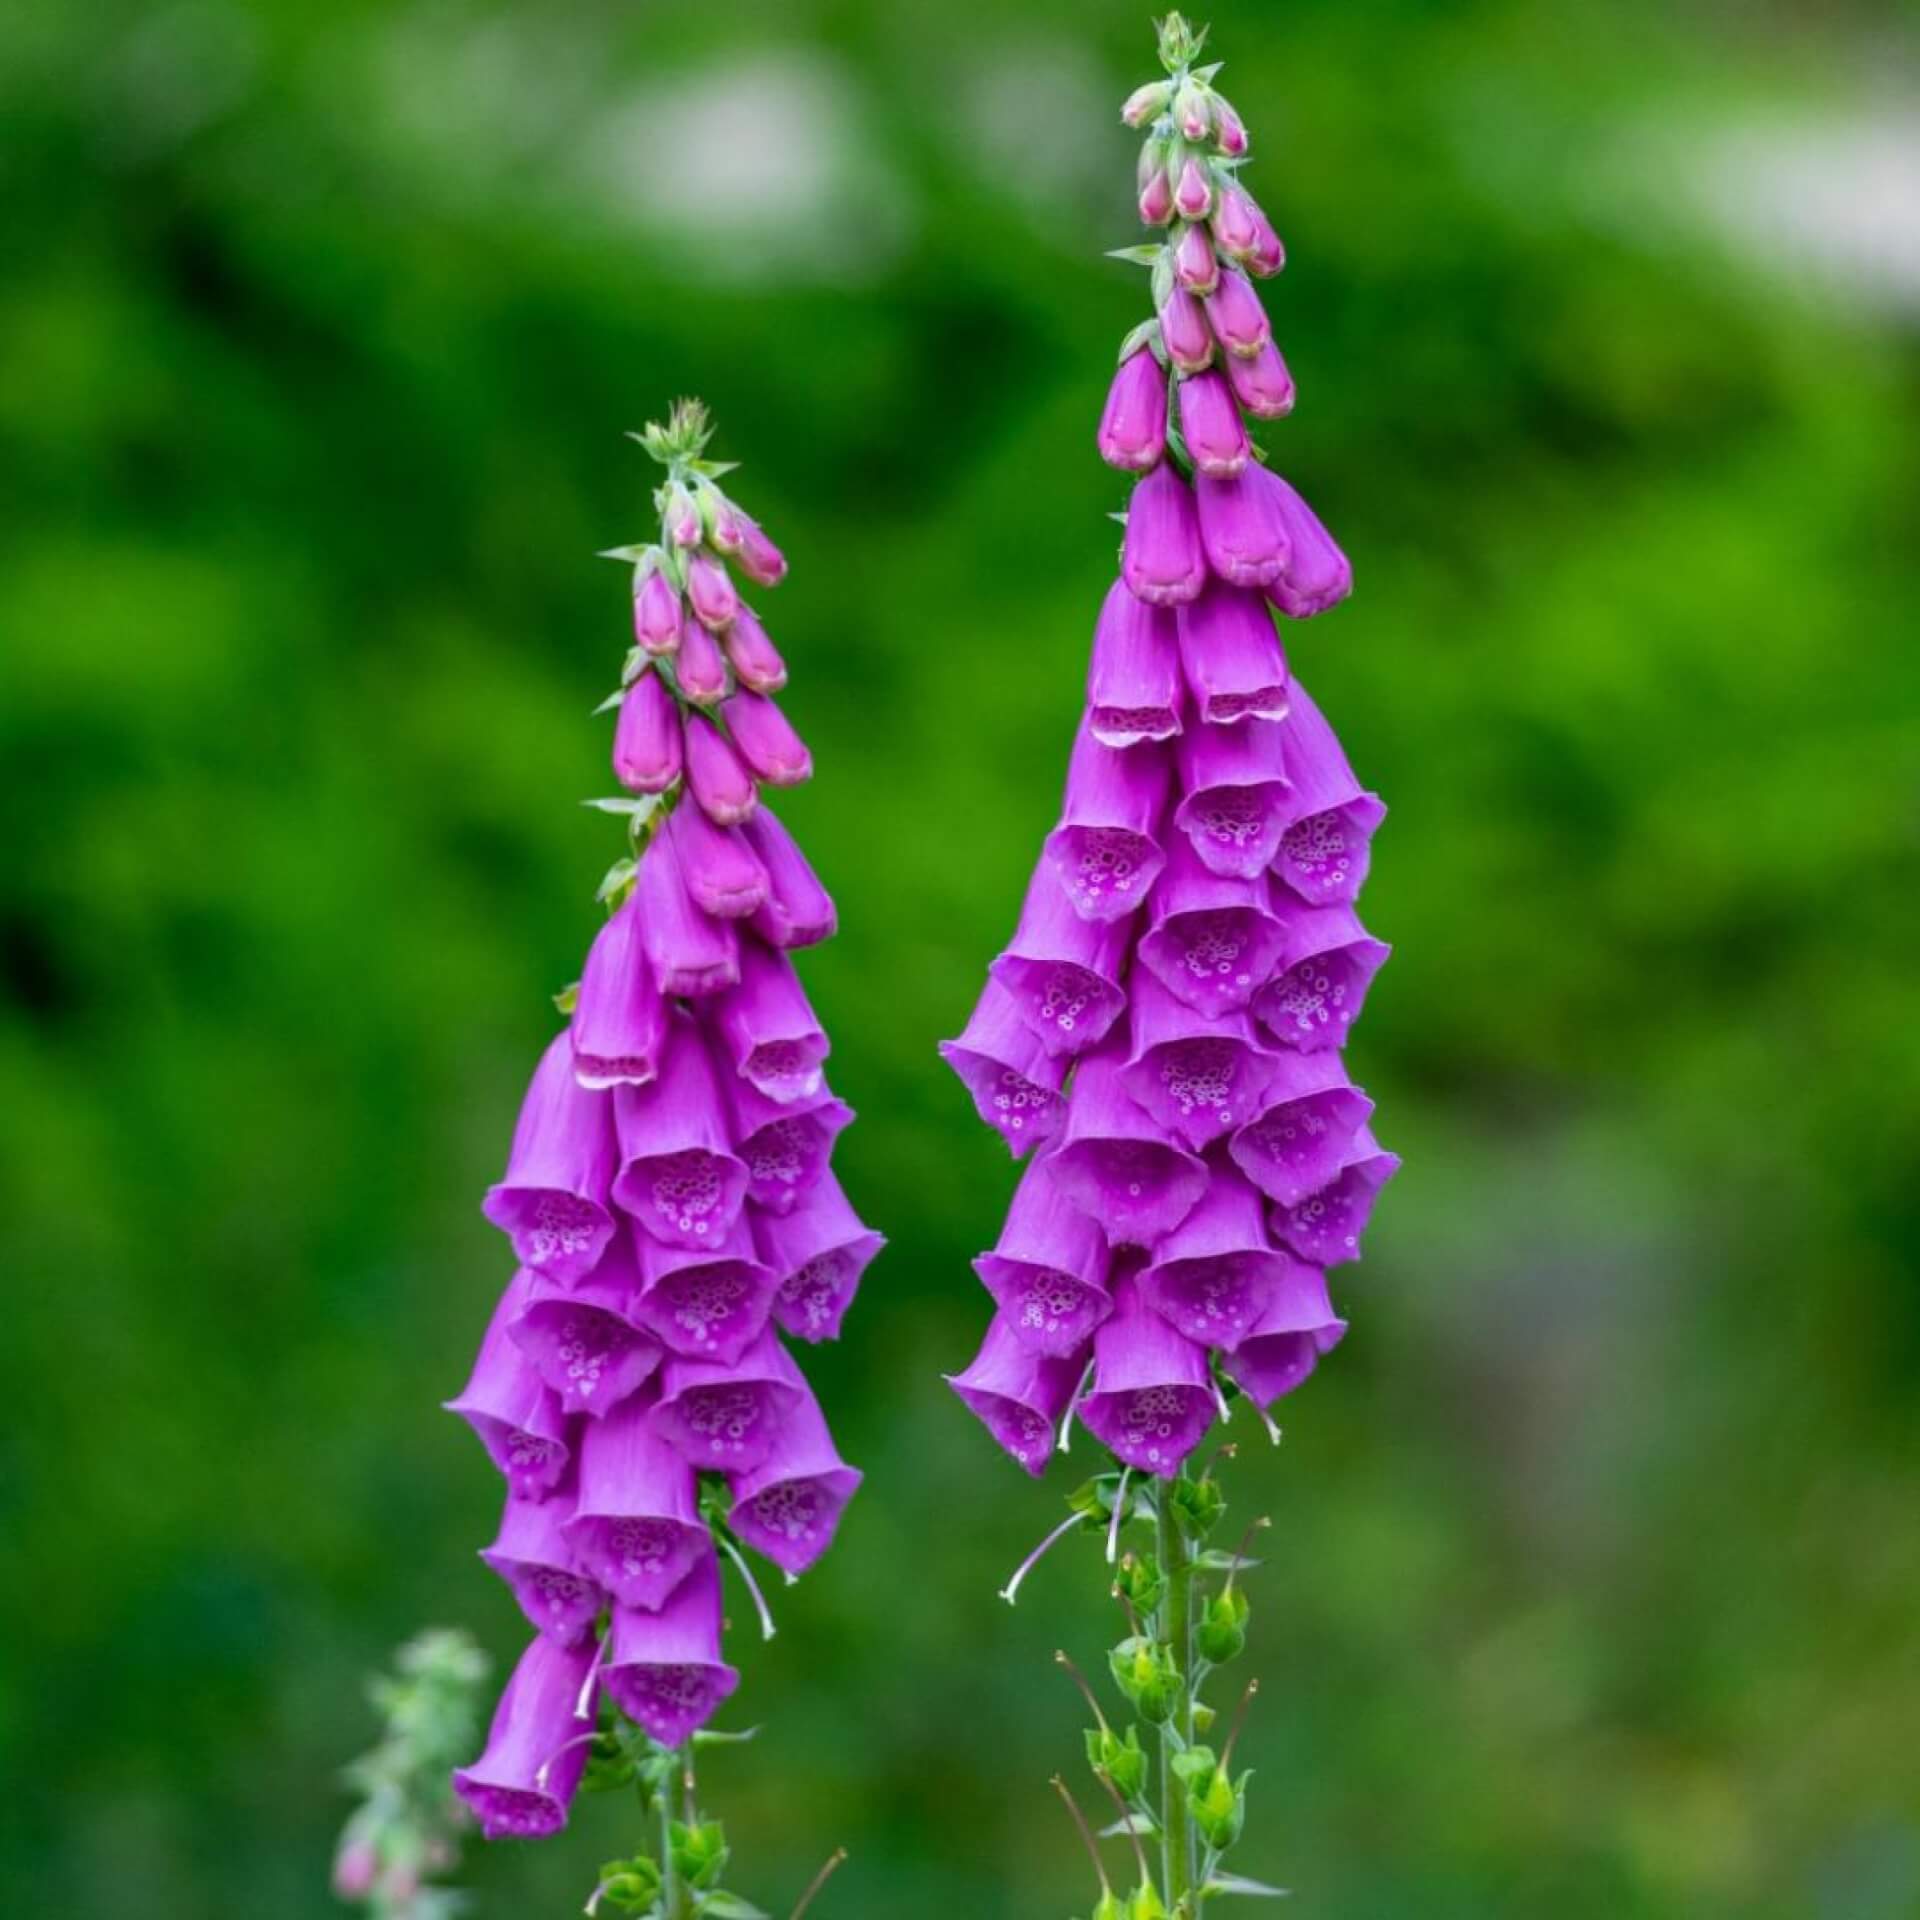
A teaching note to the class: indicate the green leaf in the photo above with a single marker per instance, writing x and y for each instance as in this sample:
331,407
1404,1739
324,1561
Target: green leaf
1239,1883
722,1905
1138,256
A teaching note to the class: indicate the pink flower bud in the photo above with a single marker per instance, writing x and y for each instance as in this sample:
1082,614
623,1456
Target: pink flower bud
755,660
717,776
728,522
1194,195
1133,429
684,525
760,560
766,740
656,614
1239,320
355,1868
1156,199
1183,332
1268,255
700,670
1143,103
1262,383
1211,423
1193,111
1229,128
710,592
646,737
1194,266
1236,224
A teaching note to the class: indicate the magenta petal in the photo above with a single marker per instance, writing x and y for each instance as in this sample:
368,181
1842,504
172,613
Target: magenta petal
1063,971
1048,1271
1015,1082
689,951
636,1525
1152,1395
819,1249
1242,527
1231,656
726,1418
664,1669
1326,1226
708,1304
1210,422
1216,1273
1133,678
1317,575
620,1019
789,1506
1305,1126
582,1340
1238,319
754,658
1104,850
717,776
710,593
766,741
1117,1165
1239,800
719,865
679,1180
1199,1077
552,1201
1194,265
799,910
1018,1395
699,666
760,560
1161,560
1133,427
1214,943
1261,382
786,1144
510,1408
657,615
1324,854
532,1555
767,1030
521,1786
1325,964
1297,1329
647,747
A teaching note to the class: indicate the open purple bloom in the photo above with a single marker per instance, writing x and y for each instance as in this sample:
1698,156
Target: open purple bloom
785,1144
718,864
819,1248
1326,962
1213,942
1242,527
1324,853
689,951
1048,1272
1161,560
1230,655
532,1555
699,666
1018,1395
582,1340
552,1201
754,658
726,1418
664,1669
1133,679
522,1784
1326,1226
1211,425
620,1020
710,1303
680,1180
1062,970
766,1029
789,1505
636,1526
1239,801
1116,1163
1238,319
1300,1137
1216,1273
1015,1082
1298,1328
517,1417
766,740
647,748
657,615
1104,850
799,910
1133,429
1199,1076
1152,1396
1317,575
717,776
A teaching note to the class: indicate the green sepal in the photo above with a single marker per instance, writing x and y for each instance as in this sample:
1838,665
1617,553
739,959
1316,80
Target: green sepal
1225,1883
1109,1907
1144,256
1218,1560
1191,1765
722,1905
1204,1716
724,1736
1140,1582
1197,1506
611,703
1146,334
633,666
1146,1903
699,1852
567,999
630,1886
1138,1820
1219,1808
1123,1761
1143,1670
620,876
1222,1630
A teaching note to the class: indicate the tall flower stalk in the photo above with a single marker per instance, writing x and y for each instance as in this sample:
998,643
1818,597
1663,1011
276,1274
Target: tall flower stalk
670,1205
1164,1034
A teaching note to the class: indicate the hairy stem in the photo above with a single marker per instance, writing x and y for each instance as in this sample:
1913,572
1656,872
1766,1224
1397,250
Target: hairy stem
1176,1630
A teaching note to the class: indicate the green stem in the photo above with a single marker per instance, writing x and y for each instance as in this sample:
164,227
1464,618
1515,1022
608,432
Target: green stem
675,1904
1176,1629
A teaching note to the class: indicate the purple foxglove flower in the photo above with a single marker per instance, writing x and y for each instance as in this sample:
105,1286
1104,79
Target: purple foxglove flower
1300,1326
1242,527
505,1402
1104,852
1229,129
1161,560
1018,1395
522,1784
1211,423
1156,190
1193,193
1238,319
1231,656
1326,1226
582,1340
1194,266
719,865
699,667
1152,1396
717,775
1062,970
1048,1272
620,1019
760,560
726,1418
688,951
820,1247
685,527
1133,428
1325,964
708,1305
754,658
710,593
552,1201
1133,678
1143,103
1238,799
1302,1134
1236,223
786,1144
1317,574
1268,255
799,910
1213,942
1184,331
1325,852
766,741
664,1669
636,1526
1199,1078
646,737
1193,111
679,1178
1117,1165
532,1555
1261,383
1216,1274
789,1506
656,615
767,1031
1015,1082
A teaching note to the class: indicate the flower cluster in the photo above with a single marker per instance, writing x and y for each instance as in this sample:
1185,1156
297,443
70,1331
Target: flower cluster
669,1201
1164,1032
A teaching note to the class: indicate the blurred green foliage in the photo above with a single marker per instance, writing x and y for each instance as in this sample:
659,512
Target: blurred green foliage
1593,1581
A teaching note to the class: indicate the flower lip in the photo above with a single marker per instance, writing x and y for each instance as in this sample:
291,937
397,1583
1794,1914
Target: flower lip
1327,1225
1017,1395
1104,851
709,1304
664,1669
789,1506
581,1340
636,1526
1214,943
521,1785
1062,970
1300,1137
820,1249
510,1409
1133,677
1048,1271
1231,657
726,1418
531,1554
1152,1396
1319,983
1216,1275
1012,1078
1117,1166
1198,1077
1238,800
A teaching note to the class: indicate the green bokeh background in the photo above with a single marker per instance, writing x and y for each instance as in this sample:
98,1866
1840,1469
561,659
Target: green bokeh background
1594,1581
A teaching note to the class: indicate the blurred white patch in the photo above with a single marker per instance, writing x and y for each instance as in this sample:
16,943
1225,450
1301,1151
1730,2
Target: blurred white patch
1040,125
